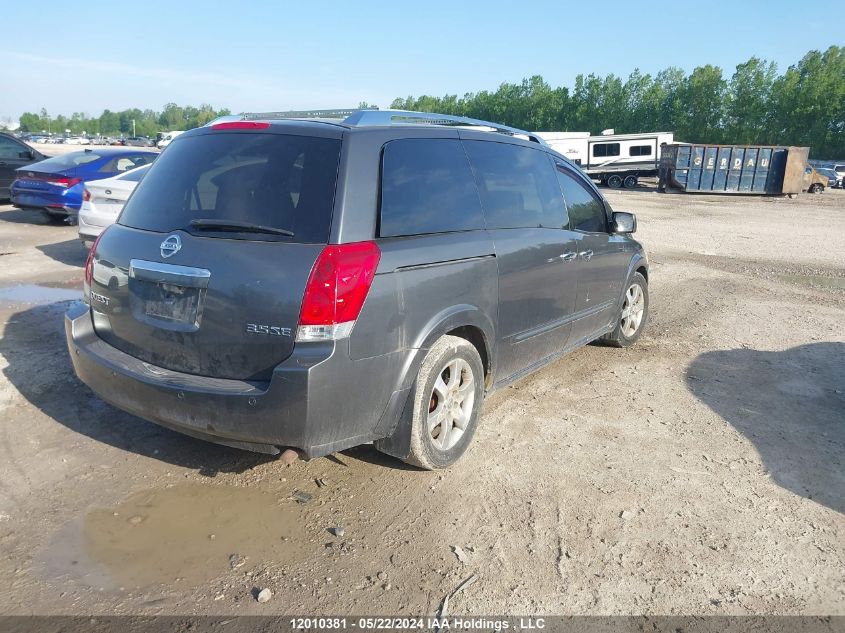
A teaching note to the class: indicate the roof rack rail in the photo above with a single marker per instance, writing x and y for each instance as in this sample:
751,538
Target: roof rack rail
300,114
373,116
393,117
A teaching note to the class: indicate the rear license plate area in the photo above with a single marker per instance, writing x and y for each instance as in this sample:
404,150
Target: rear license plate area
169,302
166,296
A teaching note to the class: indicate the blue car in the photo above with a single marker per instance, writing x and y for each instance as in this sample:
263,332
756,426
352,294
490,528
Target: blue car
55,185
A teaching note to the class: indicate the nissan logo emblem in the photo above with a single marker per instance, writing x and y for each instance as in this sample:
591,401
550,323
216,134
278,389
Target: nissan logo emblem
171,245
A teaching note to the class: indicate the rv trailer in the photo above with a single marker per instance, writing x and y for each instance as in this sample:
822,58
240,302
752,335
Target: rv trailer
615,160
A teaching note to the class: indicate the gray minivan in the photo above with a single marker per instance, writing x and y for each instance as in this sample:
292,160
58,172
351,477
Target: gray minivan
318,284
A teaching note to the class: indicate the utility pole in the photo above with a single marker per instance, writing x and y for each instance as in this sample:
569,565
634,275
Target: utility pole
133,127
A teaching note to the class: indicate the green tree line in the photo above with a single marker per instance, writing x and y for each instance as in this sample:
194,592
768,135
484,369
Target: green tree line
147,122
805,105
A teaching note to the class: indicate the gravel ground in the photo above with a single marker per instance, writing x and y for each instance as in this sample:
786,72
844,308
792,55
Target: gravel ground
700,472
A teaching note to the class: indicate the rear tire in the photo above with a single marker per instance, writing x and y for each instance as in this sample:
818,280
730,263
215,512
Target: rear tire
447,401
633,315
630,182
614,181
816,188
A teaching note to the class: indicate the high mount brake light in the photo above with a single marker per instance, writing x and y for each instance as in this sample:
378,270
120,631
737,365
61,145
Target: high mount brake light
336,290
241,125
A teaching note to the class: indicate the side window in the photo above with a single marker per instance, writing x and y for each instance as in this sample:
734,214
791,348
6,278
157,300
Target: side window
142,159
10,149
602,150
517,186
586,211
427,187
124,164
639,150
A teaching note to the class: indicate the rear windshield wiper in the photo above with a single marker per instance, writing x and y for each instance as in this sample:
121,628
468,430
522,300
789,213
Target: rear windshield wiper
210,224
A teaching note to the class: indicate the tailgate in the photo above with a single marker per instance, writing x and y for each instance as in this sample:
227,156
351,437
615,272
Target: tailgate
206,270
220,308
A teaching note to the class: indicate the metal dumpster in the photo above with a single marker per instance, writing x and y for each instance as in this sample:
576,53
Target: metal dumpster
754,169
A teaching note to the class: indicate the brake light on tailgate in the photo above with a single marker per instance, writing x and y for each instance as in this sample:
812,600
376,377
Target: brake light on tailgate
336,290
89,269
241,125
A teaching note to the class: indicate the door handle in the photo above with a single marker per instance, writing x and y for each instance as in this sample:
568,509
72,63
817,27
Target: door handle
568,256
586,255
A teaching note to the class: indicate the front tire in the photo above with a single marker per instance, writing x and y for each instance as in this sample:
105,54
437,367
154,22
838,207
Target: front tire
633,315
614,181
447,402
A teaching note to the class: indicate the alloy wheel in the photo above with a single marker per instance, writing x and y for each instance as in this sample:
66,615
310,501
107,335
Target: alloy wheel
632,310
450,404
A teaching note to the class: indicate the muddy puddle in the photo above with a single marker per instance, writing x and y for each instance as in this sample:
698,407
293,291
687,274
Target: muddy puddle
32,293
184,534
818,281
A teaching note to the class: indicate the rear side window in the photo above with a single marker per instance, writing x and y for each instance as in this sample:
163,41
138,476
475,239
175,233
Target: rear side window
126,163
68,161
601,150
271,180
639,150
517,186
427,187
10,149
586,211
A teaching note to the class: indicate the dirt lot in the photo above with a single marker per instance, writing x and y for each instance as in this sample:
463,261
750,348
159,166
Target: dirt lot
701,472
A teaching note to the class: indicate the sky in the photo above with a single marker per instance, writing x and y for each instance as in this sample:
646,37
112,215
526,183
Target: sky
265,56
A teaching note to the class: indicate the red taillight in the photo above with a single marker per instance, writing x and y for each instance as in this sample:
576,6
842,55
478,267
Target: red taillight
64,181
89,265
336,289
86,195
241,125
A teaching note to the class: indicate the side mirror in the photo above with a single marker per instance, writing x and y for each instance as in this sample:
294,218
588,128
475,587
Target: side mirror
624,222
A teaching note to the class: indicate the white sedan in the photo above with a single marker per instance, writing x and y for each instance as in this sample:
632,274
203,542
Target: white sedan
103,200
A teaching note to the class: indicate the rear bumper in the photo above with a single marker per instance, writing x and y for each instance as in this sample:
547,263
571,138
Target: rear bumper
318,400
64,201
88,231
52,203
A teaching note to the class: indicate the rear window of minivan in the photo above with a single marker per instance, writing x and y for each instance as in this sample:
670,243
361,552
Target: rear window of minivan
272,180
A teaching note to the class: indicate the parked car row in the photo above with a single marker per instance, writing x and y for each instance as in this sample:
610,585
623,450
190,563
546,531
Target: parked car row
56,185
834,172
14,153
135,141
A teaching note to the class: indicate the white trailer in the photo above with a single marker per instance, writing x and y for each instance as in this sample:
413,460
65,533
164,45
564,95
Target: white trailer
615,160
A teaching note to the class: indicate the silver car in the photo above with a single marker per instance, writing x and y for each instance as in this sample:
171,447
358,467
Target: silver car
102,202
